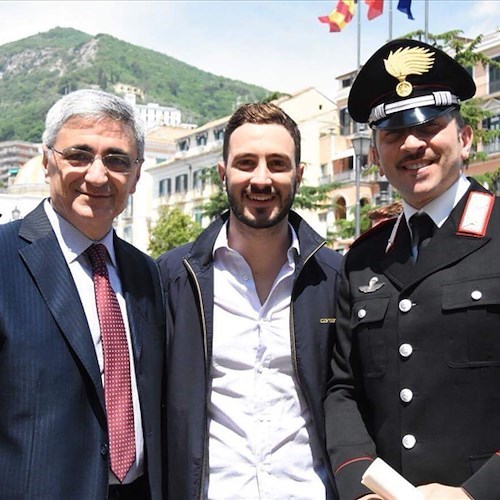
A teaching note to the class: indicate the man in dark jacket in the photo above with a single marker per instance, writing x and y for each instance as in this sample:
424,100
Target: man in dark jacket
251,327
417,361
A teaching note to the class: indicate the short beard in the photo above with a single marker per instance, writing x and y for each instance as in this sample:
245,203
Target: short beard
257,223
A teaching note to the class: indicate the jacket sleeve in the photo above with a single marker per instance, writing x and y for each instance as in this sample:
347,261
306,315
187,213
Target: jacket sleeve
485,483
350,448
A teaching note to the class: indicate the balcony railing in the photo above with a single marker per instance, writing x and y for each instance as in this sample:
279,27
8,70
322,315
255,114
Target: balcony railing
492,146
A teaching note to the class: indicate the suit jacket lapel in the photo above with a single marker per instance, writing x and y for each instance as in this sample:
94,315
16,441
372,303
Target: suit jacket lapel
50,272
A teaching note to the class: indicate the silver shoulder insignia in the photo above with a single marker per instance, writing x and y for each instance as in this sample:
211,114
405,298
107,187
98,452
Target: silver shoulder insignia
373,286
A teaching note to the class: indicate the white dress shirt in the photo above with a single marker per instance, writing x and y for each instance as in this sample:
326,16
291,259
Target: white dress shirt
259,443
440,208
73,245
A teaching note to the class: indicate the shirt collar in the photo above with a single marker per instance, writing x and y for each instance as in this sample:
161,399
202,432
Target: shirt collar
72,241
293,250
440,208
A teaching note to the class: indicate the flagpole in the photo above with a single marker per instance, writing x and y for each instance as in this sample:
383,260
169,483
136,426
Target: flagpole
359,37
426,20
390,20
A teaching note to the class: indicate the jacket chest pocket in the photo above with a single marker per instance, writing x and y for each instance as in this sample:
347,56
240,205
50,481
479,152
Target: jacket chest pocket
471,310
367,319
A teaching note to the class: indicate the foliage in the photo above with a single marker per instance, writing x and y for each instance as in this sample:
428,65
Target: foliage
314,197
274,96
218,203
172,229
490,180
464,52
347,227
38,70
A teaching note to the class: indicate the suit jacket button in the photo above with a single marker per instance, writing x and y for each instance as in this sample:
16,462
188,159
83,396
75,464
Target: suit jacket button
104,450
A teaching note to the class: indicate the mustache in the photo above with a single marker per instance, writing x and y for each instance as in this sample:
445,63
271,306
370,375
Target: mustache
416,157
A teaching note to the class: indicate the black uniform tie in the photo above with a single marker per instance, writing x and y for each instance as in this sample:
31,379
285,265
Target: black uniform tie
422,229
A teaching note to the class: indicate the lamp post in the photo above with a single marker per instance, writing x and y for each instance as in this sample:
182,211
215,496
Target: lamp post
16,213
361,141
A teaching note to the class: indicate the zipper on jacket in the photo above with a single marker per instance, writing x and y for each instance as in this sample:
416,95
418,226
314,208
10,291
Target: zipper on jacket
207,374
292,323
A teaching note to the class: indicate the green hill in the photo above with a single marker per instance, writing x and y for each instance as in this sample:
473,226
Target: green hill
36,71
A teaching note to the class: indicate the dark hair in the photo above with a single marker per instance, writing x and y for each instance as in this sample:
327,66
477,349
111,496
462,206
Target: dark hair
455,113
261,113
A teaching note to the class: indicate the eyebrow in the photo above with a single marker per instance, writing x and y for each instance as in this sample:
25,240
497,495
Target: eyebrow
108,151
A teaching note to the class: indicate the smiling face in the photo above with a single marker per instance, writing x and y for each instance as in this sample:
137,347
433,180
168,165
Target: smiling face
422,162
261,176
91,198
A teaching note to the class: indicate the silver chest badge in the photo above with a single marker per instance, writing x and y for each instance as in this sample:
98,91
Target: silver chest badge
373,286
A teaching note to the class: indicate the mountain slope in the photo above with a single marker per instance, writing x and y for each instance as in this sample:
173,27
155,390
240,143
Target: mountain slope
36,71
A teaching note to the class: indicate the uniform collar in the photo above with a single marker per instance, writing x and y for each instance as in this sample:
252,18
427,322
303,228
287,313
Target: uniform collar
440,208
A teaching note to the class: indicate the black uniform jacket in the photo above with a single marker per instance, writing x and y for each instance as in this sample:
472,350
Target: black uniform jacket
417,362
189,280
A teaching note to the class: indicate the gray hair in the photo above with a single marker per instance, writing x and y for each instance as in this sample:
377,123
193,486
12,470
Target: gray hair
90,103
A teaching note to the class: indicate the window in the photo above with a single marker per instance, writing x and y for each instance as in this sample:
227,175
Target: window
181,183
492,123
198,215
219,134
495,77
199,179
129,209
345,122
127,233
201,139
165,188
183,145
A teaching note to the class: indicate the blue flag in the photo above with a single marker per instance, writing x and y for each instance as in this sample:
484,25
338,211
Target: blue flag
405,7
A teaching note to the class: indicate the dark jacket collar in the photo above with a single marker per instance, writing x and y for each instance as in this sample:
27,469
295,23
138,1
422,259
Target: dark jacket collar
201,250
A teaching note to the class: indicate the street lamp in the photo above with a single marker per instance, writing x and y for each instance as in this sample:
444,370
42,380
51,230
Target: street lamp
16,213
361,142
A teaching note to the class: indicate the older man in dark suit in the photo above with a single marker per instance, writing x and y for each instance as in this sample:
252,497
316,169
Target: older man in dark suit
81,321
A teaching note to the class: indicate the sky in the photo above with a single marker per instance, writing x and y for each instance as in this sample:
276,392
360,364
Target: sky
279,45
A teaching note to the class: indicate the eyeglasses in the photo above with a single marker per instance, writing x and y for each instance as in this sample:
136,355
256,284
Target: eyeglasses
79,158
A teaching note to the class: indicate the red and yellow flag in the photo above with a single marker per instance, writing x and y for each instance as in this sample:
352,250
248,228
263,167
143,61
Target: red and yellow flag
375,8
339,17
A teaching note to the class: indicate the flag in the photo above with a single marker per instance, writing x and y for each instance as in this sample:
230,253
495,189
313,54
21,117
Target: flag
339,17
405,7
375,8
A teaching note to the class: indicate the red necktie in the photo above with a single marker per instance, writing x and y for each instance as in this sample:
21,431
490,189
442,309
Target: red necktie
117,385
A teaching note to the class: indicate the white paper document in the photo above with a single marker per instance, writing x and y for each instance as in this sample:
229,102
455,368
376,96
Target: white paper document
383,480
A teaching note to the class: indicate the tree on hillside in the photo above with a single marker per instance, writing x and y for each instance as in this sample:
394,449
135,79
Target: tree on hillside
172,229
464,51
